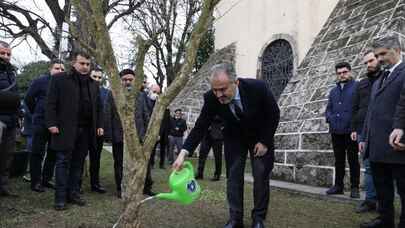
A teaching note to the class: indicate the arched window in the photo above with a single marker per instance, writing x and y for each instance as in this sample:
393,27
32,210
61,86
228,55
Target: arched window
277,65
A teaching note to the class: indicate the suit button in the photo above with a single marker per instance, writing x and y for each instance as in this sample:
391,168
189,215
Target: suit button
340,102
337,115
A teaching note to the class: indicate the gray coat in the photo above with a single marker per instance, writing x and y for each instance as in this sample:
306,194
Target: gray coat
380,118
113,124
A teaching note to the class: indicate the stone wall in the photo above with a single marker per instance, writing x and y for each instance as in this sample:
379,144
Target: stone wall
304,152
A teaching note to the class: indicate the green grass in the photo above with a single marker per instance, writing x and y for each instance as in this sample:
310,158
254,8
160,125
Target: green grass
286,209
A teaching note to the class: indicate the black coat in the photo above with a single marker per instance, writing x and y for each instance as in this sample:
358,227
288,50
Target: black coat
361,99
9,97
177,127
259,123
113,124
62,107
380,118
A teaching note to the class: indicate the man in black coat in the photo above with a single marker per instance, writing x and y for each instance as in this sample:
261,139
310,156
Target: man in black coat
251,117
145,103
35,99
361,100
163,140
74,118
387,164
213,139
178,126
9,103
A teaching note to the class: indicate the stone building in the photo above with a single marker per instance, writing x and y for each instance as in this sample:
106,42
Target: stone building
294,45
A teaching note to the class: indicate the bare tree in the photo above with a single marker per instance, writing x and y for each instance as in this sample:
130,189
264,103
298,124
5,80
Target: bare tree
20,22
137,153
176,19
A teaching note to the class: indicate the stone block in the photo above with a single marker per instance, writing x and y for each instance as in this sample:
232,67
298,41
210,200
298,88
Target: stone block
289,127
301,159
316,141
375,4
322,93
289,113
314,176
315,125
397,25
361,36
282,172
381,8
313,110
333,35
380,18
337,44
299,97
286,142
279,157
350,29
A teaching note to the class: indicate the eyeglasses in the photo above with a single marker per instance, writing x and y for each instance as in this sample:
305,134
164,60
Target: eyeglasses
342,72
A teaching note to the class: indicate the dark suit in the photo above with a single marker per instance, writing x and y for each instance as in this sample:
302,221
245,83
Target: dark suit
71,97
35,100
387,165
258,124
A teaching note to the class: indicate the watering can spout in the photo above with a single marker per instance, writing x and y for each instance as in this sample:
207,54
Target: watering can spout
172,196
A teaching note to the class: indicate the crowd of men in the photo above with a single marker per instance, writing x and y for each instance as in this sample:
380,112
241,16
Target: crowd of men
72,114
368,116
67,116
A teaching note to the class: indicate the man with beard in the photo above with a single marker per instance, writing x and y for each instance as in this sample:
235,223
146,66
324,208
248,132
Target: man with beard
359,111
145,103
339,115
35,100
9,103
385,113
74,117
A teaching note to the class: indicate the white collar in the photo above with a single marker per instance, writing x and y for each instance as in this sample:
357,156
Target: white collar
395,66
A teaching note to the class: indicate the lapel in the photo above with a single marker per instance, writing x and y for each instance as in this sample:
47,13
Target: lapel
390,78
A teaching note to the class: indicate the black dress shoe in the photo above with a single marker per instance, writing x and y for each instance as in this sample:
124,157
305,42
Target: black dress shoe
98,188
258,224
76,199
377,223
38,188
60,206
48,184
216,178
119,194
233,224
199,176
335,190
6,192
366,206
355,193
149,193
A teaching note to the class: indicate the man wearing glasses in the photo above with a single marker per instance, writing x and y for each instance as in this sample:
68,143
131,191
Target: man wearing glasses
338,116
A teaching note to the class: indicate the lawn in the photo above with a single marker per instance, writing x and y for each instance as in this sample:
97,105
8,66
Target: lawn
286,209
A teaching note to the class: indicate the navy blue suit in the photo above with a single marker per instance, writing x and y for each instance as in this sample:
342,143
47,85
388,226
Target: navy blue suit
35,100
258,124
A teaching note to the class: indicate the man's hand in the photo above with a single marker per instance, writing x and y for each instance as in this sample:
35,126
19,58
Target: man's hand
260,149
395,138
177,165
100,132
362,145
353,136
54,130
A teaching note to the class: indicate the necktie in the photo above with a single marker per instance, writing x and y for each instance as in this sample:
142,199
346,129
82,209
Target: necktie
384,77
238,111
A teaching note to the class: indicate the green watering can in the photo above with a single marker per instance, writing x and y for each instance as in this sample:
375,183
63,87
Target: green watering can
184,187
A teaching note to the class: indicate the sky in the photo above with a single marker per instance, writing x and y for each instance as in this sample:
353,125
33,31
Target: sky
27,52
